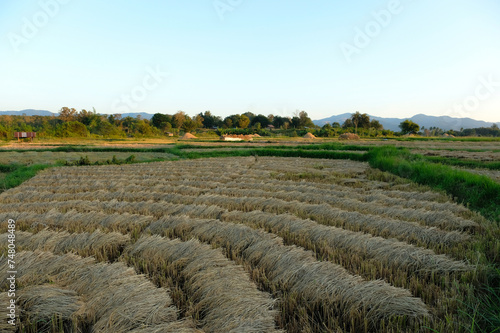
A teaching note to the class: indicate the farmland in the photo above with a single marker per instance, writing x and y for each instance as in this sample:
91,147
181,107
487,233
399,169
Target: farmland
244,244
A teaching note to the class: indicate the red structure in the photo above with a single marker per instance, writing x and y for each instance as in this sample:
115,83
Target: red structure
20,135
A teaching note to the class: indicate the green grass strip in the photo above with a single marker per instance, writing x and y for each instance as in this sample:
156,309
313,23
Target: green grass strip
478,192
19,174
273,152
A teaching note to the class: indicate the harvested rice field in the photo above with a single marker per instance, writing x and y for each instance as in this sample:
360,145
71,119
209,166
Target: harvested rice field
244,244
49,157
486,156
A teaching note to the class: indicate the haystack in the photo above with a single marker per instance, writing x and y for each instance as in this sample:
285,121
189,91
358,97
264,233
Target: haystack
188,136
309,136
348,136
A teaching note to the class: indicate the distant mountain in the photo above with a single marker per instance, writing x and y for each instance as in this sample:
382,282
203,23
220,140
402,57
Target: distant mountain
32,112
143,115
28,112
444,122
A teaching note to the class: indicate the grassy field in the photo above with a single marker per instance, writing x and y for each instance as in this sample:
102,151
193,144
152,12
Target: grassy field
324,237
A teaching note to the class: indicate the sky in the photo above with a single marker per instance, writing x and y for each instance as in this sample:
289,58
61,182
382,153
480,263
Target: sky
392,58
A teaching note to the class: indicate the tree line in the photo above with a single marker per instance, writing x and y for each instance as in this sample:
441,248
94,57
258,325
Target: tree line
84,123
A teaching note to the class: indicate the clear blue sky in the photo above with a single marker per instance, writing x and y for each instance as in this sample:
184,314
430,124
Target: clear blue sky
262,56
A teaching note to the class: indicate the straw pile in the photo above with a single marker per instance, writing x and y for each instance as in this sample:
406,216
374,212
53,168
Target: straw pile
309,136
188,136
348,136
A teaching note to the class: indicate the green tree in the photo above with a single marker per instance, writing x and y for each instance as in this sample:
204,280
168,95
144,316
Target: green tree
409,127
115,119
160,120
228,122
88,118
295,122
243,122
304,120
141,128
279,122
67,114
348,124
72,129
198,119
190,124
127,124
106,129
250,115
360,120
375,124
178,119
211,121
261,119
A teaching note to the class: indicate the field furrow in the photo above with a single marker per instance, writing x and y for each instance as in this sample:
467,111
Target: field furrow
100,245
322,213
210,280
220,293
104,297
323,287
382,303
442,219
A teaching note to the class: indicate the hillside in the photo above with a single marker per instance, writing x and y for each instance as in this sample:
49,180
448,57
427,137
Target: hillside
443,122
32,112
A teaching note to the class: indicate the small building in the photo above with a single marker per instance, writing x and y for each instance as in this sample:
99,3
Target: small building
169,134
270,127
23,135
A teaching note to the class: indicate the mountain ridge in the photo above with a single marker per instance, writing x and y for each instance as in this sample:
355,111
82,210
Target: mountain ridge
444,122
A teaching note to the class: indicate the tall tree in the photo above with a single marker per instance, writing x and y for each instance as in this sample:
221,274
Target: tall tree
409,127
347,123
304,120
67,114
261,119
178,119
189,124
279,121
360,120
243,122
211,121
160,120
376,125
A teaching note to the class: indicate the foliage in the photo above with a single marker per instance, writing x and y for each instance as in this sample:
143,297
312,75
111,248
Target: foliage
72,129
409,127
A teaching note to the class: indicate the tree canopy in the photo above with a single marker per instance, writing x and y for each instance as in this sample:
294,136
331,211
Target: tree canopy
409,127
